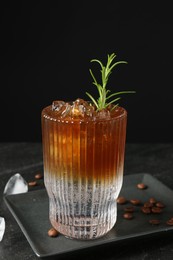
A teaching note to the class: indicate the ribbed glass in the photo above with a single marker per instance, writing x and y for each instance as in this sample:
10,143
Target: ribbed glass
83,171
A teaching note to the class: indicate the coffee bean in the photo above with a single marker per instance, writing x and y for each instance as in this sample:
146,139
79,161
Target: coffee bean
152,200
156,210
141,186
128,215
146,210
148,205
38,176
52,232
135,201
170,222
121,200
129,209
32,183
154,221
160,205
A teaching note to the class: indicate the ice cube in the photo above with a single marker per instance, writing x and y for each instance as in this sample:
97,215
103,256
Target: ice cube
16,184
2,228
81,108
57,105
65,110
61,108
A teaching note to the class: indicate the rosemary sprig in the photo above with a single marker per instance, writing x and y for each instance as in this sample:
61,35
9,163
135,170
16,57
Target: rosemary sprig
104,99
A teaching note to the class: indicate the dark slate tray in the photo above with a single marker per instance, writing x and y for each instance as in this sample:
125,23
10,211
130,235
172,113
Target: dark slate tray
30,210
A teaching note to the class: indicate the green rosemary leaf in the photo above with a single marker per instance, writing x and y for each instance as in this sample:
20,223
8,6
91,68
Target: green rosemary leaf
95,81
115,106
94,101
112,101
95,60
119,93
117,63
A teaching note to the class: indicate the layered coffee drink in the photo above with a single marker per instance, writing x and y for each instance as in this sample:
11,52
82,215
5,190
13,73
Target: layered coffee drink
83,154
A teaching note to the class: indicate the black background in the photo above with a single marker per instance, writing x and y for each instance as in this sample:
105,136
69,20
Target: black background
46,51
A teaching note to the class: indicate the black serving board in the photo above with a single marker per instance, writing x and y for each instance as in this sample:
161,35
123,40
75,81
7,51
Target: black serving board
31,213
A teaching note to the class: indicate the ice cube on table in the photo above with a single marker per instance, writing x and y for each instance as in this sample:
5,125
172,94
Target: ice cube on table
15,185
2,228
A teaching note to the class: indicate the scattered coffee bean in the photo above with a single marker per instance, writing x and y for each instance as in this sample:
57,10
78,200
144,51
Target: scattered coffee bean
151,206
38,176
52,232
146,210
129,209
128,215
32,183
135,201
156,210
152,200
141,186
169,222
154,221
148,205
160,205
121,200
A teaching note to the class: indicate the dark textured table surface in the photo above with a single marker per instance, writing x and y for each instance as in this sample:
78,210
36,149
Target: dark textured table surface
26,158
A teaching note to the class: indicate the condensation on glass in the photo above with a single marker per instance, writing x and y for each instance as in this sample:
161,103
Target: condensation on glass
83,171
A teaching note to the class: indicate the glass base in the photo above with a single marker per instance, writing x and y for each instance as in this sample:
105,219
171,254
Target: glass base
89,231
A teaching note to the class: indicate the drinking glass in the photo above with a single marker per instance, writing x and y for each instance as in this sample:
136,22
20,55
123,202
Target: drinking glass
83,171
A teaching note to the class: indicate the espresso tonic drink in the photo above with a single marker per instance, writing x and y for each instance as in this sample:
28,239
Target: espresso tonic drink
83,152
